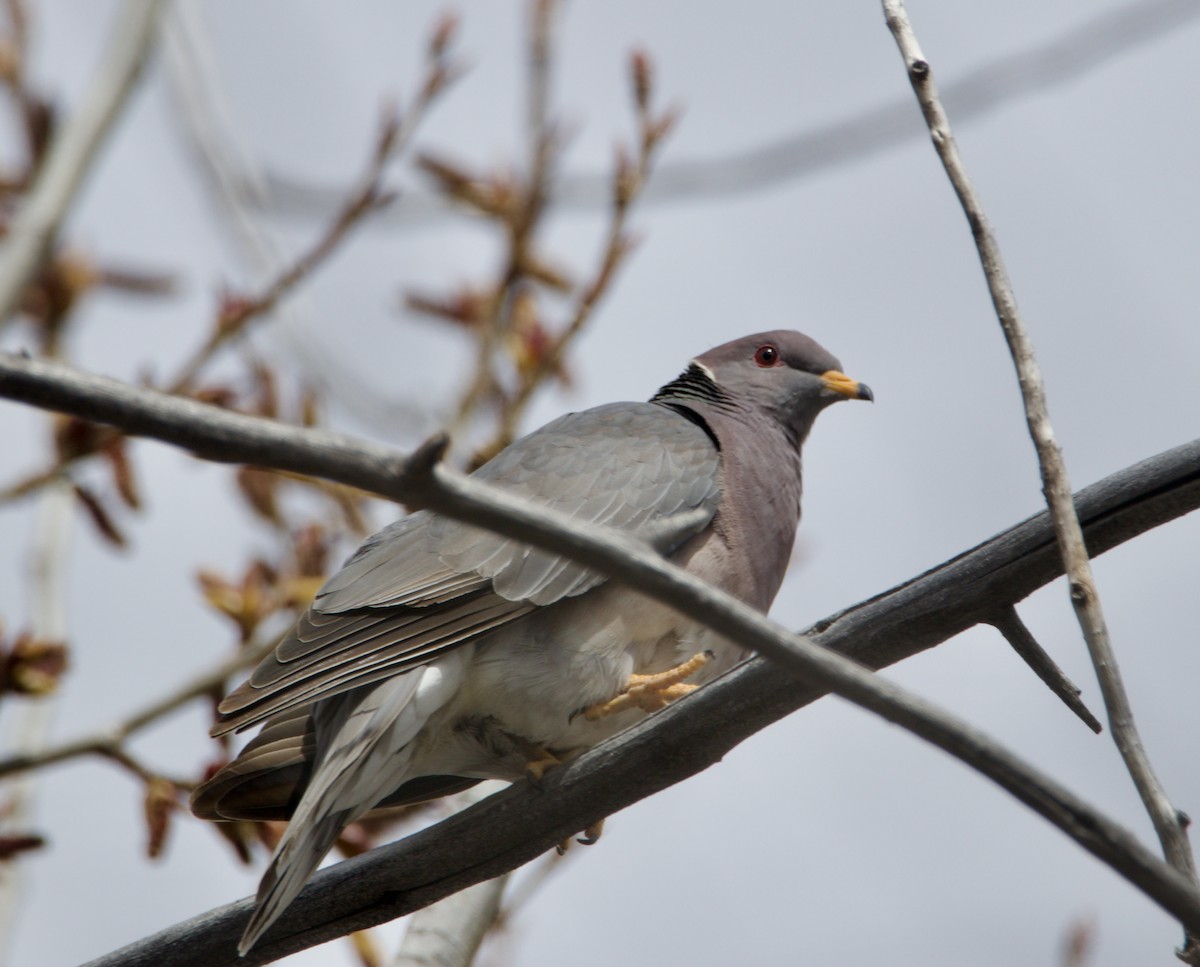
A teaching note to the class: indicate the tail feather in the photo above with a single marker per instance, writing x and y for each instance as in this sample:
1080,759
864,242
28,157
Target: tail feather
294,862
363,739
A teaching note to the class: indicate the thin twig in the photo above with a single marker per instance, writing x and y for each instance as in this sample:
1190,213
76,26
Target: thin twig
1169,823
520,220
110,741
35,228
1009,624
368,197
33,719
629,180
362,201
421,479
220,154
517,825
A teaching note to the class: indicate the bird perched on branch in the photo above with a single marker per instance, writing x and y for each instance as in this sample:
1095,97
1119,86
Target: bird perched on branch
442,654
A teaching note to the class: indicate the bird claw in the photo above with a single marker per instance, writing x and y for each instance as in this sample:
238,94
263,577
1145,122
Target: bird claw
536,767
651,692
589,837
591,833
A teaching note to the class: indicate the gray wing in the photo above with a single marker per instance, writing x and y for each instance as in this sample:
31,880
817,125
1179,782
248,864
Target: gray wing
426,584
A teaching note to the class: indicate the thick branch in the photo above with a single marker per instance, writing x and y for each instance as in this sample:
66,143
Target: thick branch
513,827
36,226
1169,823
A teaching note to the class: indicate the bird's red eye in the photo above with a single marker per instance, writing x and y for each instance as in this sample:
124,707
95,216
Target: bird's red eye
767,355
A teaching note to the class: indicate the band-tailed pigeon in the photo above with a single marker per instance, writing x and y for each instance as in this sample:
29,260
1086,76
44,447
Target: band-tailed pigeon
442,654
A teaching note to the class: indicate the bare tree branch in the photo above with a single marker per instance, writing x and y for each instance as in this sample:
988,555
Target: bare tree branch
1169,823
225,436
514,826
36,226
1057,60
48,567
448,933
110,741
1009,624
204,116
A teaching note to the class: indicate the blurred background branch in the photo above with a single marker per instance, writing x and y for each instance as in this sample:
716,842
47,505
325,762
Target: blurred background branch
983,90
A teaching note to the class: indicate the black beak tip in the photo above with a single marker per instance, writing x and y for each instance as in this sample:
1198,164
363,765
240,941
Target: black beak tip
864,393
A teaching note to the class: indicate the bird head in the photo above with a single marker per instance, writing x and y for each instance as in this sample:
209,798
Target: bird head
782,375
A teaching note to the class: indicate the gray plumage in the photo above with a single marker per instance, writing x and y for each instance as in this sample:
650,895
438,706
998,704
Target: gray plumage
442,654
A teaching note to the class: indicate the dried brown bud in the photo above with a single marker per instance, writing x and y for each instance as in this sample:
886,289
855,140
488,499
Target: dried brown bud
355,840
136,281
122,470
160,802
247,603
12,845
260,489
641,71
496,195
267,402
10,62
74,437
55,291
310,549
550,275
625,178
310,407
41,117
232,312
444,33
467,307
98,514
33,666
350,503
269,833
660,127
222,396
529,343
240,835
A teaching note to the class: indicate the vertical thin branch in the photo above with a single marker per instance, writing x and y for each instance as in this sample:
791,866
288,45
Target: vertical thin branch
236,180
1169,823
448,933
522,220
70,157
29,731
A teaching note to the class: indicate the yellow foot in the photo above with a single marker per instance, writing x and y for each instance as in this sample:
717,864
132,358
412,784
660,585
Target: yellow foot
541,760
651,692
590,836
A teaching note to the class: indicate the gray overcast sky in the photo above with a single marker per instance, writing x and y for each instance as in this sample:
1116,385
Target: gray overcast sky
831,838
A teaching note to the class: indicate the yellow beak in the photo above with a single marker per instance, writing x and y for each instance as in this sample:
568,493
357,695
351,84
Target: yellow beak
851,389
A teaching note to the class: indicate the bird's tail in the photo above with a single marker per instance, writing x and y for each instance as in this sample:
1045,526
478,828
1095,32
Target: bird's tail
363,755
294,862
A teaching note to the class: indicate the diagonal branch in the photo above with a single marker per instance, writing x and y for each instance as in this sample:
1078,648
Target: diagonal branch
110,741
1009,624
515,826
1169,823
1051,62
225,436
